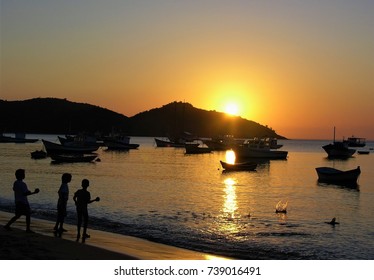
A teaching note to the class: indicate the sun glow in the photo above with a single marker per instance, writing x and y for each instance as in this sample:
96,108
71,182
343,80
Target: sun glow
232,109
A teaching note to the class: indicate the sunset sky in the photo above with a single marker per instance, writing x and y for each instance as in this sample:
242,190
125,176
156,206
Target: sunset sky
300,67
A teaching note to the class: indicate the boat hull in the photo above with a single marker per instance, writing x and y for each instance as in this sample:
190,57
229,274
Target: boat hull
242,166
335,176
196,149
73,158
338,150
53,148
165,143
247,152
113,145
218,146
356,142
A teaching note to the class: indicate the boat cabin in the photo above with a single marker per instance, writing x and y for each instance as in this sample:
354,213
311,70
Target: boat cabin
355,141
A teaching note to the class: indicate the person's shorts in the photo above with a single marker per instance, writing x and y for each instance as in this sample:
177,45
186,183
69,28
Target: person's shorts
61,209
82,211
23,209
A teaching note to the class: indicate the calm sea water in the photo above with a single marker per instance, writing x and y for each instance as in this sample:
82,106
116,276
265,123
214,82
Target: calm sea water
163,195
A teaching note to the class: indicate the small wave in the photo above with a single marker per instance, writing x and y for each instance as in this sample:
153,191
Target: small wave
285,234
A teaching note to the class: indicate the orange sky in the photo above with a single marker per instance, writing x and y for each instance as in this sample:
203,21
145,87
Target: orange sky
297,66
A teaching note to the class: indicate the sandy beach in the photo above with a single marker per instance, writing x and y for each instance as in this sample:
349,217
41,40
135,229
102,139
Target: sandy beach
16,244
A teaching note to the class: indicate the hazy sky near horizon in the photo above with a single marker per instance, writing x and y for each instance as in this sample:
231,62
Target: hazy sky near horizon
300,67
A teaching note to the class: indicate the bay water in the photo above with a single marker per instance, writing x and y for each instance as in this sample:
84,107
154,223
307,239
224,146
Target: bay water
188,201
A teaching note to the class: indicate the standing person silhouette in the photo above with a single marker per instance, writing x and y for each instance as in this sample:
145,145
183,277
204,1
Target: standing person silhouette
82,198
21,192
63,196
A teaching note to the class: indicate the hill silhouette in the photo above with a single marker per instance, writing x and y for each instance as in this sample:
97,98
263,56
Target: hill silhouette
60,116
177,117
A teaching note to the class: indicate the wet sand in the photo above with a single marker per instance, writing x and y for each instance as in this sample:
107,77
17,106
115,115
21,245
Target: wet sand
43,245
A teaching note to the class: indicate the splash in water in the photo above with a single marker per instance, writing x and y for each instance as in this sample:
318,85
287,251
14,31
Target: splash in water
281,207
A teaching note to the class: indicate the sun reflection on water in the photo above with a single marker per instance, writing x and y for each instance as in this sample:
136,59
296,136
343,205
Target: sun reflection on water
230,156
230,203
230,216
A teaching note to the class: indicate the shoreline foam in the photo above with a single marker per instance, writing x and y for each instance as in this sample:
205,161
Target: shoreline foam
43,245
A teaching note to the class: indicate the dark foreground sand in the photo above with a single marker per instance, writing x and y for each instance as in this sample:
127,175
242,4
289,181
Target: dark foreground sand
43,245
18,245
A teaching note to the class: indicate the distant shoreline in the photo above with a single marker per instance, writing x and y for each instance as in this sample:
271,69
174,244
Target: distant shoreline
157,136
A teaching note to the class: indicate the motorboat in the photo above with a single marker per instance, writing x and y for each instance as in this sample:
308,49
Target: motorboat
176,140
222,143
119,142
259,150
168,143
355,141
196,148
271,142
338,149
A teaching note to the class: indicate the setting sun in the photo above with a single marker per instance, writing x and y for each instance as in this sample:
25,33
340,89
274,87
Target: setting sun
232,109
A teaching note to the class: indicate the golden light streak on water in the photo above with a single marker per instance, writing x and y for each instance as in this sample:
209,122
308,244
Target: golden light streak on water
230,202
230,156
230,207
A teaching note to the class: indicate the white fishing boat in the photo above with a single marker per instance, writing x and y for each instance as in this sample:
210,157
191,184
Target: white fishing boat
260,150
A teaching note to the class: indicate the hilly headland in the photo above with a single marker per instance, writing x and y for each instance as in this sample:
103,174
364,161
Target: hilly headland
61,116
